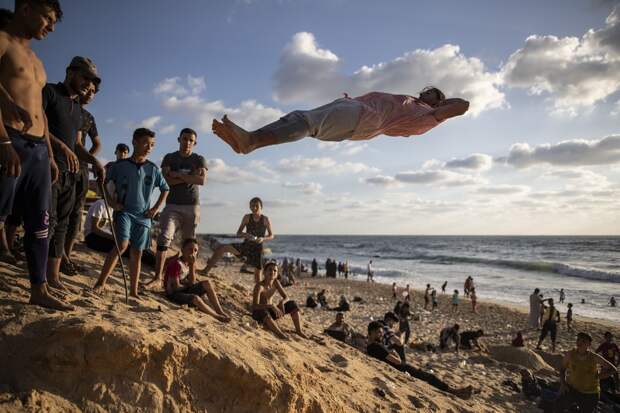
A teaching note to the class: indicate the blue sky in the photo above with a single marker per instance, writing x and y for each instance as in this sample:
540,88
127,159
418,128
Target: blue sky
539,153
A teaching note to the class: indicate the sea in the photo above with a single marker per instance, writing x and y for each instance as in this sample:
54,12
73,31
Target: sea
505,268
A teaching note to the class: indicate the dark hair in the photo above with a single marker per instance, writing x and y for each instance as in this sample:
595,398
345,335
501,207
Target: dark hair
339,314
608,333
457,327
374,326
390,316
190,241
584,336
480,333
122,148
256,199
536,290
6,16
570,305
140,132
188,130
52,4
438,92
269,264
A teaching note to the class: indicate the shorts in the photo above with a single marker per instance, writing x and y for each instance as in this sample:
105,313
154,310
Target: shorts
549,327
187,217
252,252
333,122
128,228
260,315
187,294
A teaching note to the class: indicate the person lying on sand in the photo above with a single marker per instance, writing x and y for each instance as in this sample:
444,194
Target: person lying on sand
518,341
265,312
181,286
257,230
343,305
379,351
360,118
339,329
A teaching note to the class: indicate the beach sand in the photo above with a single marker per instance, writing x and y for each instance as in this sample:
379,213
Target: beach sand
157,356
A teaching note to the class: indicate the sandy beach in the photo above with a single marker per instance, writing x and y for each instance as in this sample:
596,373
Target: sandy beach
157,356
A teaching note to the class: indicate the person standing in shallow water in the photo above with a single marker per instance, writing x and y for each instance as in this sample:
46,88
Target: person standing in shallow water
255,228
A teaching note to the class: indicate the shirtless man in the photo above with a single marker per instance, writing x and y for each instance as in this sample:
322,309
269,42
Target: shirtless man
26,159
360,118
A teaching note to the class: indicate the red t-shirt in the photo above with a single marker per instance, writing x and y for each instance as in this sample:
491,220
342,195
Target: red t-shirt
176,269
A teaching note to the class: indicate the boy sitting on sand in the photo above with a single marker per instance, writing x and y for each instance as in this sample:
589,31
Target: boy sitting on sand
379,351
182,288
339,329
265,312
392,339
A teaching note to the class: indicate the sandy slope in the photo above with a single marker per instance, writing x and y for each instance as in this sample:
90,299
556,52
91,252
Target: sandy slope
156,356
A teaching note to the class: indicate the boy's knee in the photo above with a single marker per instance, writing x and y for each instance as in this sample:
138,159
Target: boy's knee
196,300
206,284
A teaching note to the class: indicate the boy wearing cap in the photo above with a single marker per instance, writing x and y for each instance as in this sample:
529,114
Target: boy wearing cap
135,180
64,115
89,128
27,167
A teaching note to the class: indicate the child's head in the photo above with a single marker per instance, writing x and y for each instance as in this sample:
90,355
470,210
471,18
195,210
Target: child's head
256,205
189,247
375,331
608,336
570,305
270,271
584,340
143,141
339,318
456,292
390,319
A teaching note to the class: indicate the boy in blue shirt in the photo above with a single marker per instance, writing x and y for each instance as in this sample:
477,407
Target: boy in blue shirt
134,180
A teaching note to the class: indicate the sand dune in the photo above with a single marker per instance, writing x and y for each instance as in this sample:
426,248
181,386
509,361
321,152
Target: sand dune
156,356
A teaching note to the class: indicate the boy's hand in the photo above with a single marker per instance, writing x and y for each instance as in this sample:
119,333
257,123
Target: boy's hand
151,212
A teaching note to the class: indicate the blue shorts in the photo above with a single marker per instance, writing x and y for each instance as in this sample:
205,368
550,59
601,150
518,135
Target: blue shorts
129,228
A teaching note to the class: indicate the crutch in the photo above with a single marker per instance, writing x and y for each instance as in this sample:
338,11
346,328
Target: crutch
118,249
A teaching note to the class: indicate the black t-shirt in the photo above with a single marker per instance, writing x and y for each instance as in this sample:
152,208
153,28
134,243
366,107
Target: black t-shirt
64,118
378,351
184,194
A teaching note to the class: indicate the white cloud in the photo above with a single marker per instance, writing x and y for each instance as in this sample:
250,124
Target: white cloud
572,152
576,72
438,177
347,148
220,172
150,122
381,180
184,96
310,73
579,177
301,165
165,130
309,188
476,162
503,189
281,203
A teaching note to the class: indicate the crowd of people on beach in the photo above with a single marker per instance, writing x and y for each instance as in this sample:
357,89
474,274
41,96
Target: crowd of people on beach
45,163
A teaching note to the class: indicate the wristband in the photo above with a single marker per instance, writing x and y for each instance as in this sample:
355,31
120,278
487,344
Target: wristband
5,142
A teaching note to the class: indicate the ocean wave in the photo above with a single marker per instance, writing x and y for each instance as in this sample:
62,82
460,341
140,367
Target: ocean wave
539,266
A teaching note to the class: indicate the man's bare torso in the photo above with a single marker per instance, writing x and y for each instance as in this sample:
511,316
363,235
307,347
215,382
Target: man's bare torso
23,76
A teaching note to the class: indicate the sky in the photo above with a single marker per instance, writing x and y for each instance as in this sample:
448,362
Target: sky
537,154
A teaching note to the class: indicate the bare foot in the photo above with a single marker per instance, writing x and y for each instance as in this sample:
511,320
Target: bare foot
41,297
224,133
99,289
239,135
301,334
135,296
58,285
153,281
224,318
464,393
